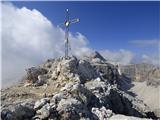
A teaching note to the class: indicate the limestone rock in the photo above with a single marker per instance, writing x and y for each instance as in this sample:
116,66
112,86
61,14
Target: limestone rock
78,89
57,97
7,115
17,112
123,117
33,73
44,112
40,103
102,113
86,71
71,109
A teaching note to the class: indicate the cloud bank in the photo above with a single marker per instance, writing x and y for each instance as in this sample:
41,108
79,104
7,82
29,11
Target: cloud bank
122,56
154,59
28,38
144,43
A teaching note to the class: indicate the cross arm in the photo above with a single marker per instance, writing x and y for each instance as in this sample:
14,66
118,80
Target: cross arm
74,20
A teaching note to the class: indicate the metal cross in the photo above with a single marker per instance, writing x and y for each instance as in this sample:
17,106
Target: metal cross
67,23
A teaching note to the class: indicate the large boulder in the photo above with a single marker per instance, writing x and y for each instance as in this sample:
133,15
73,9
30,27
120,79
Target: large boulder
44,112
86,71
72,109
18,112
101,113
34,72
57,97
124,117
40,103
153,77
6,114
68,65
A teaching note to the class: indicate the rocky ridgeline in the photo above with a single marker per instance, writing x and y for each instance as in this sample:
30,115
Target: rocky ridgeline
154,77
87,89
143,72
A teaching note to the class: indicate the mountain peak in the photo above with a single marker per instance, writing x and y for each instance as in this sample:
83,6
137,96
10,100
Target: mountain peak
71,89
96,54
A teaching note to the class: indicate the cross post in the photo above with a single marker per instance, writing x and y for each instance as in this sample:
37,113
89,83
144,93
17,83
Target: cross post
67,23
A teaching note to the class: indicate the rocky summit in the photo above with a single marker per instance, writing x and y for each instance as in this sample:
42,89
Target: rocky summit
72,89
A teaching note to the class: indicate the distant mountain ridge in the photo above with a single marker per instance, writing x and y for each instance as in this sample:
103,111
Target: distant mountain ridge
140,72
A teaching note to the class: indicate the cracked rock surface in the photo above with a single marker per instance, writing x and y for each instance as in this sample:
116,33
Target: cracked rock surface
72,89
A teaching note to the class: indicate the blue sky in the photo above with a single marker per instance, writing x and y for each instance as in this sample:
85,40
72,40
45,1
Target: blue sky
108,25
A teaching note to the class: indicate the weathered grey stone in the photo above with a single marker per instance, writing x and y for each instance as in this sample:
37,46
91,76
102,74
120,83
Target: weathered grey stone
64,103
123,117
23,112
41,80
86,71
71,109
54,75
102,113
68,65
42,77
7,115
41,103
95,84
44,112
57,97
33,73
70,86
85,90
17,112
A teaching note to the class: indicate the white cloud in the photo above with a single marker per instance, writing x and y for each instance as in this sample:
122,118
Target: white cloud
153,59
121,56
28,38
144,43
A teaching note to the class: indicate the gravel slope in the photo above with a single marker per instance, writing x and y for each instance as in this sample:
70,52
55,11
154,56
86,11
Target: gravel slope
149,94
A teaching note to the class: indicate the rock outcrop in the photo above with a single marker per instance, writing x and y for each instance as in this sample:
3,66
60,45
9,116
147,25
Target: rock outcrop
142,72
73,89
137,72
154,77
